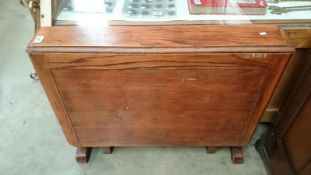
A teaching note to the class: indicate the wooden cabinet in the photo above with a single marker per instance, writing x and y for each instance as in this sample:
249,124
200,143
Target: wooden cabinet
159,85
286,148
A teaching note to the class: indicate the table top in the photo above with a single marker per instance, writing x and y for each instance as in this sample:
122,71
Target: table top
182,38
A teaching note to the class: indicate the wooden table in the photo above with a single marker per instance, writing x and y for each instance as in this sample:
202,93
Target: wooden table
159,85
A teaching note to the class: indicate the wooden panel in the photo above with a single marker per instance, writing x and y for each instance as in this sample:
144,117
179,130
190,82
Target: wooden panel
168,99
285,84
306,170
286,148
174,60
298,139
300,38
159,107
279,162
54,98
182,38
287,79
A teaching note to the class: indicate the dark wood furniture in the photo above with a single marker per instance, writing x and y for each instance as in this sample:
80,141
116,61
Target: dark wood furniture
159,85
286,148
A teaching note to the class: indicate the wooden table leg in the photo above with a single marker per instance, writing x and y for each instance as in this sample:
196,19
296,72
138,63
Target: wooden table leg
237,156
211,150
107,150
83,154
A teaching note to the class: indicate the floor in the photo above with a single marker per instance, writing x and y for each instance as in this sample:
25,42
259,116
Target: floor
31,141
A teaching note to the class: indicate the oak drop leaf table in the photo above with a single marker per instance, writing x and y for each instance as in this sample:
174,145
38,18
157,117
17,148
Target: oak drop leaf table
187,85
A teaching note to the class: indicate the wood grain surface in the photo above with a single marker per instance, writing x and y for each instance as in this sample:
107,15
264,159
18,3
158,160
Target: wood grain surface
164,99
261,38
160,85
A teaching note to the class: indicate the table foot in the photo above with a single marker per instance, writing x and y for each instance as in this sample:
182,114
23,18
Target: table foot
83,154
211,150
237,156
107,150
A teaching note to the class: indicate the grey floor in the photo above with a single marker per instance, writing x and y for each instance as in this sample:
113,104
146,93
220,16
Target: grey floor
31,141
